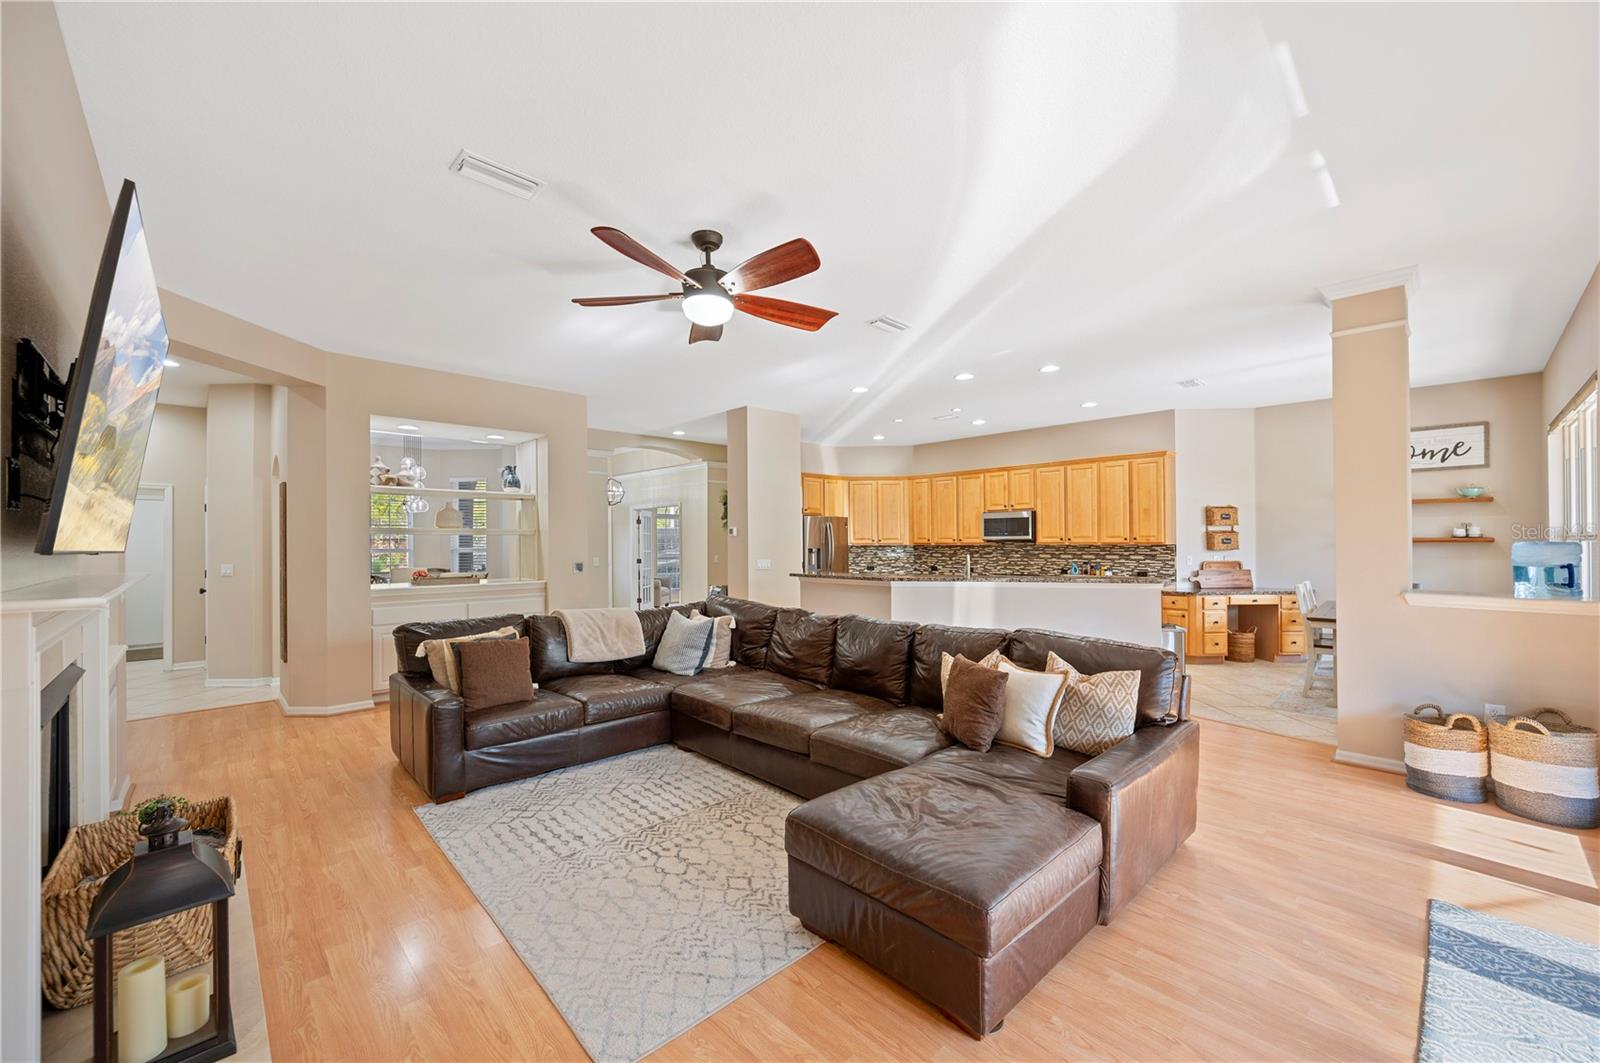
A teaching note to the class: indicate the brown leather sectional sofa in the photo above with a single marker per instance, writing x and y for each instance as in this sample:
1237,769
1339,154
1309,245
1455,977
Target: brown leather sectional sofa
965,876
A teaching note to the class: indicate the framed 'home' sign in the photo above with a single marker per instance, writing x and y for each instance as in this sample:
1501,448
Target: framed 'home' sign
1450,446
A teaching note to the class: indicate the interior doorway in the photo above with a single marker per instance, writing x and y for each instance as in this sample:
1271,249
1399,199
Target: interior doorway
148,603
657,555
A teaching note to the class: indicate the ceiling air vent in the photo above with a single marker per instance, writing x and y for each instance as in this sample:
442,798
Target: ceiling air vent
888,324
944,417
496,176
1192,382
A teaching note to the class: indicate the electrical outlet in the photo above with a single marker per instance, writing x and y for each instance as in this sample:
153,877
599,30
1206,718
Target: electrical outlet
763,562
1496,713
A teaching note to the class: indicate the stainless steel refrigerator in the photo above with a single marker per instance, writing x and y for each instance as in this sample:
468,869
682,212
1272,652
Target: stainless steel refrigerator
827,546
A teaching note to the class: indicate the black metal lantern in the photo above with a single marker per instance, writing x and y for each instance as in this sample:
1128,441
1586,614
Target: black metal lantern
169,873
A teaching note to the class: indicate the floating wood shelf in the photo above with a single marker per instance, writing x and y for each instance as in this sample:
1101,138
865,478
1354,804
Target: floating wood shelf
1453,539
1450,500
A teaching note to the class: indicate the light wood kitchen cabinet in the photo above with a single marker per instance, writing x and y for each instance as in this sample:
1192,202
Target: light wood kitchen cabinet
863,512
1148,508
996,490
811,495
891,513
835,497
1082,498
919,506
1020,488
946,526
1050,504
1114,506
969,507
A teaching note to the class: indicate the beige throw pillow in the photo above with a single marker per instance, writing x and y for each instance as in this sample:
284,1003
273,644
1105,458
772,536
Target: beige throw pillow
442,659
1033,700
1099,710
991,659
722,645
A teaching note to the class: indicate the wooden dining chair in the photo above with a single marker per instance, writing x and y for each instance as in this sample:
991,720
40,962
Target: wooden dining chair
1321,642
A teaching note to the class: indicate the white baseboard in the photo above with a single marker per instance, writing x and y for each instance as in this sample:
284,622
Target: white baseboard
120,796
322,710
184,666
263,681
1363,760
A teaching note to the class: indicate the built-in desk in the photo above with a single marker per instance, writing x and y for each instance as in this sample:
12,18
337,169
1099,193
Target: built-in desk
1209,615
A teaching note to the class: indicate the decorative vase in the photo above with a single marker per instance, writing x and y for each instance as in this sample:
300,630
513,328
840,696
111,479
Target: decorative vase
448,517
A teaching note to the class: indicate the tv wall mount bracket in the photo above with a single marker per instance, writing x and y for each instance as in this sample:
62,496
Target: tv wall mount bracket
38,410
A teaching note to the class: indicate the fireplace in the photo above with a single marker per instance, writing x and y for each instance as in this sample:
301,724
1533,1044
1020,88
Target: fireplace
55,741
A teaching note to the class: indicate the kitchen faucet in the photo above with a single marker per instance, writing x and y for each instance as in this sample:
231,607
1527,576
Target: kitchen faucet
969,564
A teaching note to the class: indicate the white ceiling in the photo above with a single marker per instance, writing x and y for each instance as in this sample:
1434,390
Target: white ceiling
187,383
1125,191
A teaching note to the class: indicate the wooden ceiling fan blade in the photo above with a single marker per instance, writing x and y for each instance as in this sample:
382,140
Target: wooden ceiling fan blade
624,300
704,332
621,241
783,312
773,266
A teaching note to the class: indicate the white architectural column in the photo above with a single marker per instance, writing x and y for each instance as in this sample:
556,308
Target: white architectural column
764,534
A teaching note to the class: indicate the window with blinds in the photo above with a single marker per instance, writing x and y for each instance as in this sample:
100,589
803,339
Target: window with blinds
468,552
390,551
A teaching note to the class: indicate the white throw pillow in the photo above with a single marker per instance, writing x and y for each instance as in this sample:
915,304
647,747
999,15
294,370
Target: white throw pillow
1032,701
722,648
686,645
1099,710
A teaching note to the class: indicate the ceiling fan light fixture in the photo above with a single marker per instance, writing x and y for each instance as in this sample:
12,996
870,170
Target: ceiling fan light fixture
708,307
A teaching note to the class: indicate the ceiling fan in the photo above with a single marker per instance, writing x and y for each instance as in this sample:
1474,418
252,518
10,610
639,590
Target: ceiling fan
711,295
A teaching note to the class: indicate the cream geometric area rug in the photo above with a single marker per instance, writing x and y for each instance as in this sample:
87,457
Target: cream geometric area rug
644,892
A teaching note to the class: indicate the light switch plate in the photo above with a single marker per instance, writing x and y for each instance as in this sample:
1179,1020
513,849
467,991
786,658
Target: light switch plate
227,568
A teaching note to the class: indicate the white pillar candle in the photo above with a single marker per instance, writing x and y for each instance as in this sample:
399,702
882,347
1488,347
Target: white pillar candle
142,1010
188,1004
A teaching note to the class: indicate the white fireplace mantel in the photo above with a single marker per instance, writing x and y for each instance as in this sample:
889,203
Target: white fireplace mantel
44,628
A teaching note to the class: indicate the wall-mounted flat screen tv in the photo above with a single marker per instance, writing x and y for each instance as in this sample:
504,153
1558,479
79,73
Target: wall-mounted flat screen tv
111,398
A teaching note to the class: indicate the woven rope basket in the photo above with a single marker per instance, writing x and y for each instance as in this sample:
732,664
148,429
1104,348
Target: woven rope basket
1242,645
1445,759
91,852
1548,770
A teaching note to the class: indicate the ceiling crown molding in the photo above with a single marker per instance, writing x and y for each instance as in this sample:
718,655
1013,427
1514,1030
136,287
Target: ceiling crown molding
1409,278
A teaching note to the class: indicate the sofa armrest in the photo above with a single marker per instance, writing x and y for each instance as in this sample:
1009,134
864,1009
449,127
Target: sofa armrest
1144,792
427,730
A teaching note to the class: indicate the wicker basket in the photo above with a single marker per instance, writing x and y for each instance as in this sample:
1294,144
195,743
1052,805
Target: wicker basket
1548,771
1444,759
1242,645
92,852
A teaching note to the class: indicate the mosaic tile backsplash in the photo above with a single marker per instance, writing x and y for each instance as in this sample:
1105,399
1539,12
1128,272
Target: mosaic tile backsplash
1158,560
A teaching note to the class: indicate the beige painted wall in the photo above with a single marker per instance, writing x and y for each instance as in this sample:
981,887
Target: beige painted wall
238,532
177,456
1214,464
1576,355
764,505
1294,495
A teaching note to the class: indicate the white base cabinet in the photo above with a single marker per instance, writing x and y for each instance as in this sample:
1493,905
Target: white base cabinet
393,605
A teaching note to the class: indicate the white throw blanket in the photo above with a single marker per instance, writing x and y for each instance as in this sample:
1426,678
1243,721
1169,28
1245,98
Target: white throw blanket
601,634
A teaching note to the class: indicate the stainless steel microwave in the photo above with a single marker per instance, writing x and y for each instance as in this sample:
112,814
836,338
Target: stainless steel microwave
1012,525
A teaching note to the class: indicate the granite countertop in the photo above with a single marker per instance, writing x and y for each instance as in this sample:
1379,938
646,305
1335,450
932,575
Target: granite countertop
953,577
1189,588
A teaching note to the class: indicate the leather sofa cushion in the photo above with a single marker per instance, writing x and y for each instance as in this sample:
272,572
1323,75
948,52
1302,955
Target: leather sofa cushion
971,858
1048,777
613,697
931,640
653,622
711,698
407,637
547,713
788,722
548,639
667,679
873,743
1158,668
802,646
752,628
873,657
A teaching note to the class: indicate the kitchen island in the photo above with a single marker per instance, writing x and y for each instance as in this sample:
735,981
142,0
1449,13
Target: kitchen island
1111,607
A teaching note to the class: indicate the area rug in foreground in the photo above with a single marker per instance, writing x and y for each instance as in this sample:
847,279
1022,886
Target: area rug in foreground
644,892
1497,990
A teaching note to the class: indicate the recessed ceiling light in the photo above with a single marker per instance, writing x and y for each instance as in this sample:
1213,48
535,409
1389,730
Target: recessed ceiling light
963,376
979,420
1192,382
877,437
483,442
677,431
493,437
858,390
1091,404
955,409
170,364
496,176
1049,369
408,428
899,420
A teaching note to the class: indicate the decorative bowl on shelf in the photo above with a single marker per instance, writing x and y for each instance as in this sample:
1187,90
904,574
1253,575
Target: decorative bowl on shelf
1471,490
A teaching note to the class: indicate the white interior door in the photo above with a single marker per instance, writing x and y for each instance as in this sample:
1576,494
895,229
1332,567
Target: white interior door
149,556
644,557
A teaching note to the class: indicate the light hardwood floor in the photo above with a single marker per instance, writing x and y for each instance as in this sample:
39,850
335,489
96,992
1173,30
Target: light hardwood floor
1290,926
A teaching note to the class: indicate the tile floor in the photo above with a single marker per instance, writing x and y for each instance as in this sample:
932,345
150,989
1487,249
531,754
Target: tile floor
1264,696
152,692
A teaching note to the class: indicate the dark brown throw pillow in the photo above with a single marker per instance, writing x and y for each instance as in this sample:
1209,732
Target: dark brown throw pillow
974,704
493,672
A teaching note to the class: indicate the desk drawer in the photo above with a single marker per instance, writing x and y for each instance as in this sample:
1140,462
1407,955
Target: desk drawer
1175,601
1214,601
1175,616
1289,601
1213,645
1291,622
1214,620
1252,599
1293,642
